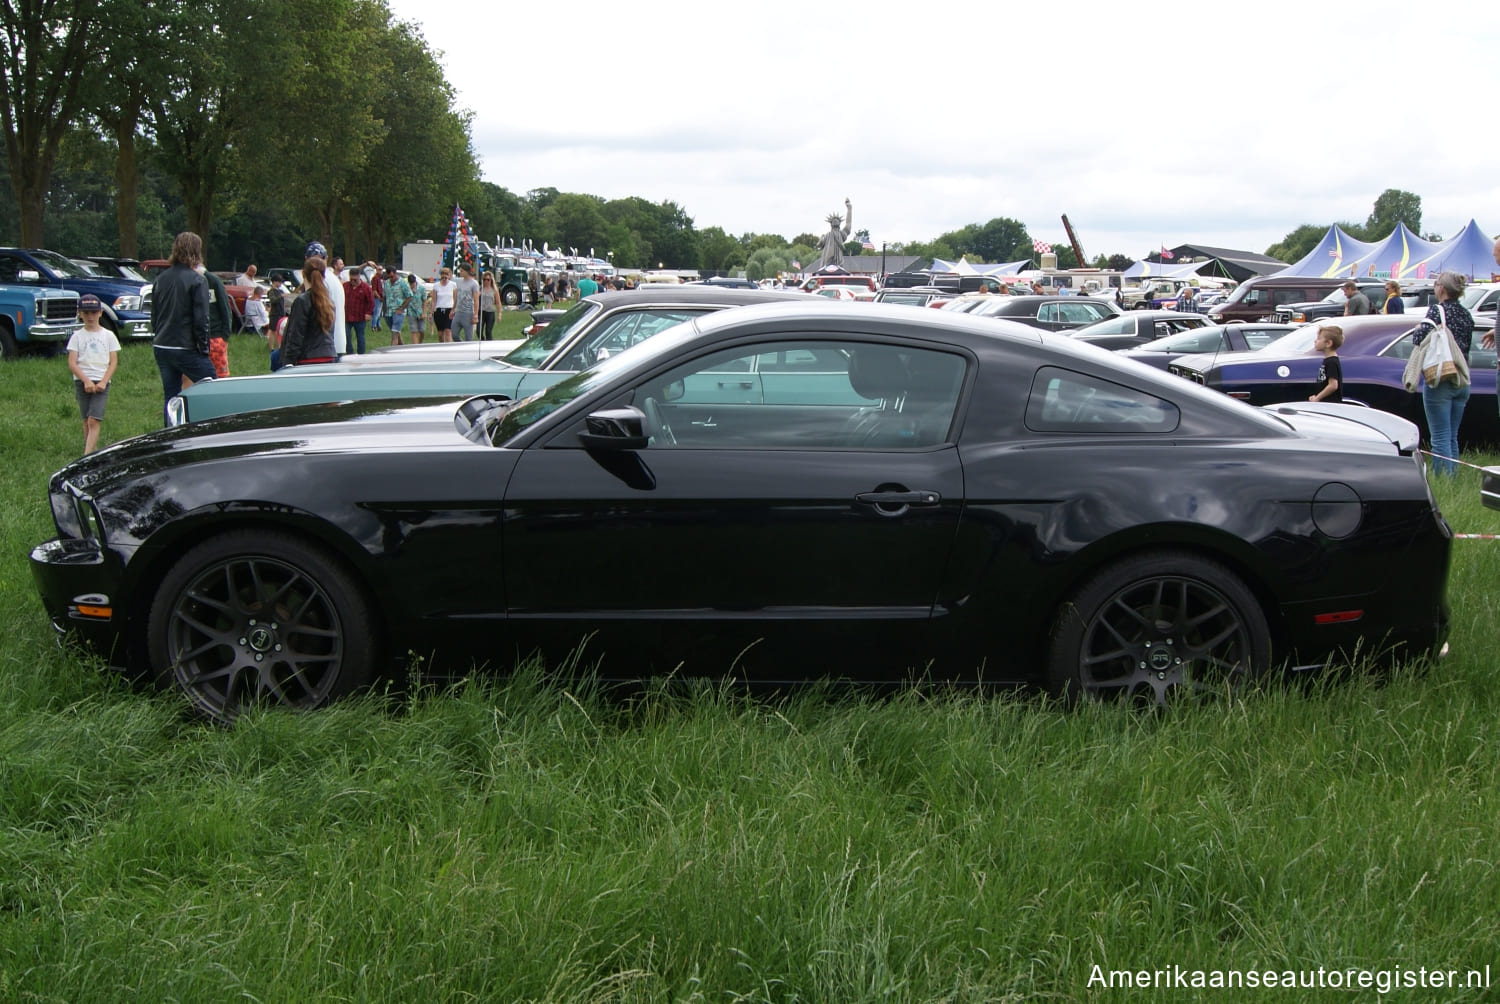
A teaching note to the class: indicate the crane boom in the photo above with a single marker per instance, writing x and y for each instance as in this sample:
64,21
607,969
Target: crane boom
1073,240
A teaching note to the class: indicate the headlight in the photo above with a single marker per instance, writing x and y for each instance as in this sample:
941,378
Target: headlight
127,303
76,515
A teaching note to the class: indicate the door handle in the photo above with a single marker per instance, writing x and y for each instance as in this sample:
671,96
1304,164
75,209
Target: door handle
735,384
897,502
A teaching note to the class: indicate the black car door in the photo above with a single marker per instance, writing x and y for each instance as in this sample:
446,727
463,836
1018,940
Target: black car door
770,529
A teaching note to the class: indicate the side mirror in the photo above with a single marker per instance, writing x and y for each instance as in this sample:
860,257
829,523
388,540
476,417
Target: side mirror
616,429
28,275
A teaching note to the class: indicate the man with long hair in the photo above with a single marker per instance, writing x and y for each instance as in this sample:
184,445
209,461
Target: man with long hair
179,320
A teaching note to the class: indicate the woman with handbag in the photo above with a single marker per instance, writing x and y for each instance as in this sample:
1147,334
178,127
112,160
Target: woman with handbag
1445,389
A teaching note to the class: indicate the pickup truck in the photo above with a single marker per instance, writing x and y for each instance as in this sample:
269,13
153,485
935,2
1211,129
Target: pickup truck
1149,296
35,316
47,269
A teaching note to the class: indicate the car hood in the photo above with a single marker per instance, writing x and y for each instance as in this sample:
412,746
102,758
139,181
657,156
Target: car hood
422,424
1323,419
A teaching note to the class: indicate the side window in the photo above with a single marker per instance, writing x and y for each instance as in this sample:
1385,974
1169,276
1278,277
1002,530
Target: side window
1481,358
1048,313
1254,297
1280,296
1064,401
806,394
10,269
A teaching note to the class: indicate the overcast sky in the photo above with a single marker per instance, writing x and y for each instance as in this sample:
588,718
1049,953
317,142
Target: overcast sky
1222,124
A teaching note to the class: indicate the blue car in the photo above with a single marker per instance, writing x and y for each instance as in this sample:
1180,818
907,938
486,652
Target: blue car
1376,348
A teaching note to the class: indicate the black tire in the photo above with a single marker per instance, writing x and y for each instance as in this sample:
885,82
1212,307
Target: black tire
260,618
1157,624
9,347
511,296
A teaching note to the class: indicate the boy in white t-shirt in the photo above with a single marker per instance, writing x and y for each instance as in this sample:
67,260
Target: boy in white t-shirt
93,353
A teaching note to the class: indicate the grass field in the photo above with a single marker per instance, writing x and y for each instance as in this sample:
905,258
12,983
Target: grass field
518,840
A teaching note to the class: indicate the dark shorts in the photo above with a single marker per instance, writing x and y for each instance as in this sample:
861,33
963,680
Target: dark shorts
442,319
89,405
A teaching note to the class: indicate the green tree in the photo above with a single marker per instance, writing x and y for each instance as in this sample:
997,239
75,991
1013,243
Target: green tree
44,58
717,251
575,221
1394,206
1295,245
202,114
1002,239
766,262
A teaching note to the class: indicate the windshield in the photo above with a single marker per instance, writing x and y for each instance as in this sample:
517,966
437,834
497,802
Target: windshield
131,272
534,351
59,264
1337,296
1473,295
528,410
1297,340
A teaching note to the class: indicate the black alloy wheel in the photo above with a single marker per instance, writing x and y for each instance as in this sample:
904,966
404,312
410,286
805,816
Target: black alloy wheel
252,619
1154,628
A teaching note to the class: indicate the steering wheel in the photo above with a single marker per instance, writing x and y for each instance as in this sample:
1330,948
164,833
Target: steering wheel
656,426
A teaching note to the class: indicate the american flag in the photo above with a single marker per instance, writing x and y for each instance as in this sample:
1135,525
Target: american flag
1042,247
867,244
1165,254
1333,252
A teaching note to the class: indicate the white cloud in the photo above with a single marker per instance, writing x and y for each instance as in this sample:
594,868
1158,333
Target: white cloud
1227,125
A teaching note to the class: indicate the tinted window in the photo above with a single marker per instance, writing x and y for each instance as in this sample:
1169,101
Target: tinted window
1064,401
800,394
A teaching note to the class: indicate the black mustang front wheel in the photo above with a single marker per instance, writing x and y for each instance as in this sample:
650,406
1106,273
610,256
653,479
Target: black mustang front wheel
256,618
1158,626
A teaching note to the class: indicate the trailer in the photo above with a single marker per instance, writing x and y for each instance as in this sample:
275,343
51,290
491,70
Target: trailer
423,258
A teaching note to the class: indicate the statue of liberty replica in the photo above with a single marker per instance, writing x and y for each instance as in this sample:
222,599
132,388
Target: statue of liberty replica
833,241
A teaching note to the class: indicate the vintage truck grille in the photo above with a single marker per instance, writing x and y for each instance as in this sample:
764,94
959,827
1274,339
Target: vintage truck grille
59,308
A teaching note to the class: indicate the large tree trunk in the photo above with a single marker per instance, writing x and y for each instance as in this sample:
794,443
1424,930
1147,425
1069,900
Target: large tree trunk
126,178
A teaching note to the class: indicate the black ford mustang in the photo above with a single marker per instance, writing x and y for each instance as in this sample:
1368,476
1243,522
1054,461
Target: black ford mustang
774,492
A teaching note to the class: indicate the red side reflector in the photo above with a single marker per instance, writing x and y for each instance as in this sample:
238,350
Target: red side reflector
1240,395
1338,617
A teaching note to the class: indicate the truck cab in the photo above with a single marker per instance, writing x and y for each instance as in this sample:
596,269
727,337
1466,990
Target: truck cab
36,317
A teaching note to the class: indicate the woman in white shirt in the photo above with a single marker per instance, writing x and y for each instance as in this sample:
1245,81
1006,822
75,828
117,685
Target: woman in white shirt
442,304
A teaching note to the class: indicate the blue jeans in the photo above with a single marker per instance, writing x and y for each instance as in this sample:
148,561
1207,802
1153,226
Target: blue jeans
1444,405
375,314
175,364
356,337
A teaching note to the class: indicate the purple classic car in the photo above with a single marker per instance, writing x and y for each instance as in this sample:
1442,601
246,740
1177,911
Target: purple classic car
1376,347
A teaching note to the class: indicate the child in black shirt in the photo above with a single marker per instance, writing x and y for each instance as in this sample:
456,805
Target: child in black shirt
1331,373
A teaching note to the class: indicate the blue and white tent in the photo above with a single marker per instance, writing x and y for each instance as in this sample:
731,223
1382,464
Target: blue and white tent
1470,252
1335,255
1161,270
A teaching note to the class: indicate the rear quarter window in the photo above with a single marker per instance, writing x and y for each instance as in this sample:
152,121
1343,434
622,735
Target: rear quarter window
1064,401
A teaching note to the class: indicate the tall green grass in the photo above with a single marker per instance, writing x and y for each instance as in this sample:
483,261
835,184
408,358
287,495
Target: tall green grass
523,840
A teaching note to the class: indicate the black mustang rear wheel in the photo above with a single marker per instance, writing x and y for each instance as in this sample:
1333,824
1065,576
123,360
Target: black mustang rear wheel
1158,626
255,618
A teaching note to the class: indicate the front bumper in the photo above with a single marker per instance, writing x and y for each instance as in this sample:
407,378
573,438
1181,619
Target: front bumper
134,325
78,581
52,331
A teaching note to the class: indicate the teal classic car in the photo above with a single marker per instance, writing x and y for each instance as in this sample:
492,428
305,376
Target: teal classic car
595,328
